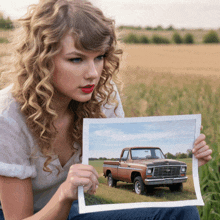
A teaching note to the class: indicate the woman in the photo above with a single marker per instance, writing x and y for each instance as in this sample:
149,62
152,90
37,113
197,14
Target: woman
66,55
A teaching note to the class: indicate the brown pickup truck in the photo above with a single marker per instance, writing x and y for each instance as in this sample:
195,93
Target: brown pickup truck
146,167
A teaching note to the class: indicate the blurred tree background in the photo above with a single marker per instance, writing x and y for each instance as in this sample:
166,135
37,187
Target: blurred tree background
6,24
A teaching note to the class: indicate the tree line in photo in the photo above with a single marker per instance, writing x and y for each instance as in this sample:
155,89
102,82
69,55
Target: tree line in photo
168,155
179,155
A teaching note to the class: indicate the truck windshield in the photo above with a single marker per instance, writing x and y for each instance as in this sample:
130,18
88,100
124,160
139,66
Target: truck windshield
149,153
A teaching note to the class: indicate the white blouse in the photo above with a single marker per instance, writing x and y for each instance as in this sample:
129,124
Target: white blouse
17,145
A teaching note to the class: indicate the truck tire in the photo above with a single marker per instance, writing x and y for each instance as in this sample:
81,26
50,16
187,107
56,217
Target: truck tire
111,182
178,187
139,185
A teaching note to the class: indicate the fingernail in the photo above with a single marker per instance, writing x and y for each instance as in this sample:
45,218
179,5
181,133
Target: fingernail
193,150
97,186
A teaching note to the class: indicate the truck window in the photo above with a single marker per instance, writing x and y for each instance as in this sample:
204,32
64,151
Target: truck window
159,154
125,155
146,153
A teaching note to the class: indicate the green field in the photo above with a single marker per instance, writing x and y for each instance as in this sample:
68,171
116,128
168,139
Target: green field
124,192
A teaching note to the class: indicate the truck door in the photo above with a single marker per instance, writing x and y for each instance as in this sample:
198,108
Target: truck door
123,168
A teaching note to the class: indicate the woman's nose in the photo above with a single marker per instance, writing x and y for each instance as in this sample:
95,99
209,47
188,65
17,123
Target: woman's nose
92,70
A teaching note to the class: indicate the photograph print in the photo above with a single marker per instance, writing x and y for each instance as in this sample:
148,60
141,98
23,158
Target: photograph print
142,162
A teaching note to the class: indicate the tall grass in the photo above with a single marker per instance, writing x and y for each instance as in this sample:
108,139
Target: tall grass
210,185
178,95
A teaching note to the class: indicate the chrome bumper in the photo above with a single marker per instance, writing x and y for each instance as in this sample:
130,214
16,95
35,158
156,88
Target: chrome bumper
165,181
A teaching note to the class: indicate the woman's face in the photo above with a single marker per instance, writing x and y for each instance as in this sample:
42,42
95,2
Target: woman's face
76,72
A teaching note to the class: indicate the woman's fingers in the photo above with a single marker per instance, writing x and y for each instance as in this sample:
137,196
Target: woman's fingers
206,154
85,172
199,139
79,175
86,176
201,150
200,147
83,167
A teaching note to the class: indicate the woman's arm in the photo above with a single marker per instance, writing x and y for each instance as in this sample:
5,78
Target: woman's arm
17,197
17,201
55,209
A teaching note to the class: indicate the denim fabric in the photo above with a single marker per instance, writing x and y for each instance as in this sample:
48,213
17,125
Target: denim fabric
1,215
176,213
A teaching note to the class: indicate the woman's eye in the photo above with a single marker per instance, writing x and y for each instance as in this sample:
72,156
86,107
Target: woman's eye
75,60
101,57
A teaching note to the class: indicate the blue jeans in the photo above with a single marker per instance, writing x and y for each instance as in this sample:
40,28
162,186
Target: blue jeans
176,213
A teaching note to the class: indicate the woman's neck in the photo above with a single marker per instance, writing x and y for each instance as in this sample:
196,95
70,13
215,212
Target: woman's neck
61,104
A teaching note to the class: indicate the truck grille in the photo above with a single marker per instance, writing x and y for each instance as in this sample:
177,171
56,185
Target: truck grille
167,171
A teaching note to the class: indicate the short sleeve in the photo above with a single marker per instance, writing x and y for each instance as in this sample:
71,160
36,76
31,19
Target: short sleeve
14,150
108,110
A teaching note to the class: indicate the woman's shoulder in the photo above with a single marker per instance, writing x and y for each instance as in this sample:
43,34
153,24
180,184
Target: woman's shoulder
5,95
9,109
16,141
8,105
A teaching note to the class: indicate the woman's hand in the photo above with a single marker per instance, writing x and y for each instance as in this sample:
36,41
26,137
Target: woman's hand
201,151
79,175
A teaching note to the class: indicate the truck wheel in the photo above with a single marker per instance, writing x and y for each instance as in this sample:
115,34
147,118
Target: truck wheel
139,185
176,187
111,182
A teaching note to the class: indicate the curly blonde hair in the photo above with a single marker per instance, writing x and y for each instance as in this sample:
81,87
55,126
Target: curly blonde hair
41,31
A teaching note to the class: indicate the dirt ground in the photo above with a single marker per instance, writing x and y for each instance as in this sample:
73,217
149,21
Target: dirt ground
175,59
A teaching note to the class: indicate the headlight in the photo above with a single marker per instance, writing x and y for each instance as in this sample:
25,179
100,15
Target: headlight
183,169
149,170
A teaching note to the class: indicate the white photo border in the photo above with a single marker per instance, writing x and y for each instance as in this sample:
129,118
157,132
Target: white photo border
97,208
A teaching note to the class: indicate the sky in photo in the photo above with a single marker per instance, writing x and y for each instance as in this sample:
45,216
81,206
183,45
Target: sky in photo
107,140
179,13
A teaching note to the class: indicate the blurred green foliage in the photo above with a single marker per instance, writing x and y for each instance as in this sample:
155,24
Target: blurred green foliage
211,37
188,39
156,39
177,39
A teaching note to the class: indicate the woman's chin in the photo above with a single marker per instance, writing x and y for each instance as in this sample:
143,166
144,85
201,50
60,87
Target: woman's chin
83,98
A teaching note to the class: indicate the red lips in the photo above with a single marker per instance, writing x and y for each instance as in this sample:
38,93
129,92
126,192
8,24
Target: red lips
88,89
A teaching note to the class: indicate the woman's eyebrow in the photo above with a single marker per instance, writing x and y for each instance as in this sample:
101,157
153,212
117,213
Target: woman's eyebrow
76,53
82,54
